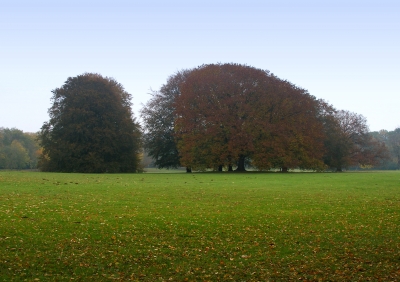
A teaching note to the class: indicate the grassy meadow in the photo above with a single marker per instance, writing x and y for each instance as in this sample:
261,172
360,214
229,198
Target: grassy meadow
200,226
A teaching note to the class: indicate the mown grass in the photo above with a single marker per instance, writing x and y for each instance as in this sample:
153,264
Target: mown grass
200,227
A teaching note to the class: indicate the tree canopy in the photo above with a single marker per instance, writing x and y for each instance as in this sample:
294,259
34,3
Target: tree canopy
159,123
232,115
228,113
392,142
18,149
91,128
348,142
394,145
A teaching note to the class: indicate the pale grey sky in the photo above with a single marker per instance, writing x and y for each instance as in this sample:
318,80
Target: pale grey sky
346,52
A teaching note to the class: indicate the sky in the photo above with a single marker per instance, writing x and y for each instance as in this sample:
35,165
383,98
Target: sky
345,52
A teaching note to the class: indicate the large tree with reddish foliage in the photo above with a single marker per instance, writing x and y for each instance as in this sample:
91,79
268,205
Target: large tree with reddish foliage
227,113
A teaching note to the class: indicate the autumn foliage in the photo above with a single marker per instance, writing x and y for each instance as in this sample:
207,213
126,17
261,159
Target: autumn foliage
231,116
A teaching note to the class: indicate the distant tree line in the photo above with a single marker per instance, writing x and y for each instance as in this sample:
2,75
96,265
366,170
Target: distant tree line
392,141
217,116
18,149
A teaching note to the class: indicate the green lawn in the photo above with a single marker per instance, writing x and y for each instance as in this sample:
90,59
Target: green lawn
200,226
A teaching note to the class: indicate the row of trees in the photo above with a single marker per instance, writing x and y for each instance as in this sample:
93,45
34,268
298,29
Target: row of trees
211,117
392,141
18,150
229,115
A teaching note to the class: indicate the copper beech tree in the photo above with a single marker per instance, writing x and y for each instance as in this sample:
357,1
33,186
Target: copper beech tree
229,113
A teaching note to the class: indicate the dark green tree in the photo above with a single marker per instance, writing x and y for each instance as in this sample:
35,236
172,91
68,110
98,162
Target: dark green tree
91,128
158,117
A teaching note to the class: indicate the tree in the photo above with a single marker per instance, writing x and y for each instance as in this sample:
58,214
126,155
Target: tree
18,150
229,113
17,156
394,144
91,128
349,143
14,156
159,122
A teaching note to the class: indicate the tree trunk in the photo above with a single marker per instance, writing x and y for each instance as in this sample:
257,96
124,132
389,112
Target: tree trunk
188,169
220,168
241,164
230,168
284,169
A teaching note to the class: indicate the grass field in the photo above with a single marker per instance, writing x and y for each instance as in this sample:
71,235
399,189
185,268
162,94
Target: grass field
200,227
